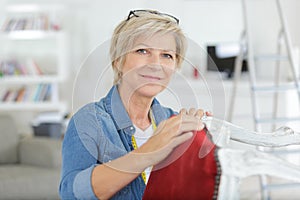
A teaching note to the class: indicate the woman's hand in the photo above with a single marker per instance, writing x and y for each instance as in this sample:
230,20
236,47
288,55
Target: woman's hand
168,135
196,112
171,133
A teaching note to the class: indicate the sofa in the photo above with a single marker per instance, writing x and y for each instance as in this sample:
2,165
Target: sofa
29,166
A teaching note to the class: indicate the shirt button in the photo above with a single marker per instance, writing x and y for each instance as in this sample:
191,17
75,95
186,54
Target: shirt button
131,128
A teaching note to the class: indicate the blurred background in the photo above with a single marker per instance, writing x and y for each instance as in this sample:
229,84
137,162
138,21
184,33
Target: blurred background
54,58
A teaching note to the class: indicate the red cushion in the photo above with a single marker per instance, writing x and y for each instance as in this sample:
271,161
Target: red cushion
186,174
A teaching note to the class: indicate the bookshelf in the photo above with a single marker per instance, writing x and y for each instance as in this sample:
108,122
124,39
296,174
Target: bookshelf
33,58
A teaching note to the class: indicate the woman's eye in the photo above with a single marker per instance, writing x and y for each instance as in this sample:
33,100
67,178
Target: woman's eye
142,51
166,55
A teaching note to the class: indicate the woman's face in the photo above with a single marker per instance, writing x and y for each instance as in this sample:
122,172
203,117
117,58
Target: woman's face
148,68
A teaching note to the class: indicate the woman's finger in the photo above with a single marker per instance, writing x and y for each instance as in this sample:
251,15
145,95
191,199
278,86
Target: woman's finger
199,113
209,113
183,111
192,111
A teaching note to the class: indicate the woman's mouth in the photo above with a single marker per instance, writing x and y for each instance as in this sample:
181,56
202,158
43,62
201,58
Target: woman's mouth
151,78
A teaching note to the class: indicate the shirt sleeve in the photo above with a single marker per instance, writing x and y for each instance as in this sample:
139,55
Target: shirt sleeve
78,161
82,186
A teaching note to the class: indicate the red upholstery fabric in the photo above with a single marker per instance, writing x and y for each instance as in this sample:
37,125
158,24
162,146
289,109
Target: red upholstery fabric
188,177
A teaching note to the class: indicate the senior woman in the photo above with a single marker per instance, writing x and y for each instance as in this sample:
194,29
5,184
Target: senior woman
110,145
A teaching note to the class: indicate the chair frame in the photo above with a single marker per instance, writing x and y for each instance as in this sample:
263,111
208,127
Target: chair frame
237,164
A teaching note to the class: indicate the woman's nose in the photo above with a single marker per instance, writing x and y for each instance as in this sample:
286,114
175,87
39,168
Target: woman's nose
155,61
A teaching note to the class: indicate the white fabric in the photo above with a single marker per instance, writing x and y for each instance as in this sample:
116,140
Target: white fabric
141,137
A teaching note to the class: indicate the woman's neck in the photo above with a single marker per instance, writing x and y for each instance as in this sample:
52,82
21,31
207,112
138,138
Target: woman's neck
137,107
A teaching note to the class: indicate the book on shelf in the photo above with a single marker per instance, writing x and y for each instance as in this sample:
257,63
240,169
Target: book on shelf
31,92
23,69
12,96
40,22
33,67
6,95
20,94
42,92
47,94
20,25
39,93
15,67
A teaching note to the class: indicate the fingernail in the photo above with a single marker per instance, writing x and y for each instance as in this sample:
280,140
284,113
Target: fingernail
209,112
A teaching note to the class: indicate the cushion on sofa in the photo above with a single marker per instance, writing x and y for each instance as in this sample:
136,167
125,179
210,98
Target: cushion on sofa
25,182
9,141
40,151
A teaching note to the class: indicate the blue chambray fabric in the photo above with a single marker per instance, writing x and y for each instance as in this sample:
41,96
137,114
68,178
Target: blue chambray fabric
98,133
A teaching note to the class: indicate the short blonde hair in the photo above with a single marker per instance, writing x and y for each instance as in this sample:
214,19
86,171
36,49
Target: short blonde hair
146,25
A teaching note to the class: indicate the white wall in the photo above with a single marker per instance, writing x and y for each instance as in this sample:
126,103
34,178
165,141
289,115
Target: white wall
90,24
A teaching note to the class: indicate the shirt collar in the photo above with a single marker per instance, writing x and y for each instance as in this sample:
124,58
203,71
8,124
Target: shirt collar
116,109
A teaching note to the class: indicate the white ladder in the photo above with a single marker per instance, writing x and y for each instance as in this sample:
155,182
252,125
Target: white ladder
247,52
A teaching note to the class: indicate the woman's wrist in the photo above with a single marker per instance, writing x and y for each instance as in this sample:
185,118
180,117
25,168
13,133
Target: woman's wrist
133,162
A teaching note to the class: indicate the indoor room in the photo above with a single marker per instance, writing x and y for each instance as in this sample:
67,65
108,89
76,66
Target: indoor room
210,99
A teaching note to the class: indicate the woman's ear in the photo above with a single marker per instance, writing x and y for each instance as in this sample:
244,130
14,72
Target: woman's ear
116,63
116,66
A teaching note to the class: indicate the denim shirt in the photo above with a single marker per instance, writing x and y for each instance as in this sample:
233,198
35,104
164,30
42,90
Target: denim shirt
98,133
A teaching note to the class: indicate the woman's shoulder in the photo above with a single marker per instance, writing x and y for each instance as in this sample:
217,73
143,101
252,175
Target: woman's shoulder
90,115
92,108
89,119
